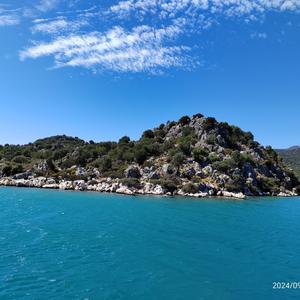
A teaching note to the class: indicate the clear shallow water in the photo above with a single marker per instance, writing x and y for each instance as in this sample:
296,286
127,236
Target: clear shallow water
68,245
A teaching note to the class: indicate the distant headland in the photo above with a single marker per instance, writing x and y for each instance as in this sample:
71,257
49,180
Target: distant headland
194,156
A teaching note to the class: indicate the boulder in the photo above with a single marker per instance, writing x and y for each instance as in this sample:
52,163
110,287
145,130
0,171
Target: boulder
24,175
66,185
124,190
80,185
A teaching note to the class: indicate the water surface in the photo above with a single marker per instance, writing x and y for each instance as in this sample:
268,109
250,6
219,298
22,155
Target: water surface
72,245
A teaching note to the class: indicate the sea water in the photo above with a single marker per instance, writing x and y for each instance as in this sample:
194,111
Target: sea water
72,245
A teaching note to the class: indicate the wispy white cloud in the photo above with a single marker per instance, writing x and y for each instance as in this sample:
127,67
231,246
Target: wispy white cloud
57,26
141,50
45,5
9,20
171,8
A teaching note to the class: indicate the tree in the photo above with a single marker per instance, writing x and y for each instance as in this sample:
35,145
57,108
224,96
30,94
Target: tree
105,164
6,171
124,140
209,124
184,120
140,155
148,134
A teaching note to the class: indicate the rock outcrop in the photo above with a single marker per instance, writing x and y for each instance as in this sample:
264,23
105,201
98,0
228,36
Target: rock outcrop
196,157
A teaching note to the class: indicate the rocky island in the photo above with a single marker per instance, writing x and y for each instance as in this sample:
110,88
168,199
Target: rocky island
195,156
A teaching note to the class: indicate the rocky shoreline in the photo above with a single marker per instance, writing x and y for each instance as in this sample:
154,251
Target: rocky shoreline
110,185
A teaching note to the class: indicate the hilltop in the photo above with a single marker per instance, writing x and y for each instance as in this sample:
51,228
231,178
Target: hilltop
194,156
291,158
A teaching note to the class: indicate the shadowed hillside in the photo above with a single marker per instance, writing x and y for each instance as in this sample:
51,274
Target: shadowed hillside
291,158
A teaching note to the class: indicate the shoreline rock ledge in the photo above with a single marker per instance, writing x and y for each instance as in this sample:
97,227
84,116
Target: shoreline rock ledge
109,185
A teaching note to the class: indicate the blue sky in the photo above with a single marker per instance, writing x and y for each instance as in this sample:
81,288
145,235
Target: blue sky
103,69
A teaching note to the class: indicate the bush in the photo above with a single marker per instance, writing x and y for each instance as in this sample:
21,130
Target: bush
17,169
211,139
269,184
184,120
209,124
159,133
148,134
20,159
167,145
198,116
171,124
131,182
51,165
169,185
105,164
213,157
6,171
200,154
140,155
178,159
234,186
225,165
190,188
186,131
273,155
124,140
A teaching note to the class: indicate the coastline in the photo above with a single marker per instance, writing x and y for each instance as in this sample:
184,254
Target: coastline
108,185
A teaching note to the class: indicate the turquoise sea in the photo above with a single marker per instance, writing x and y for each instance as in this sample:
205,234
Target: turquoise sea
72,245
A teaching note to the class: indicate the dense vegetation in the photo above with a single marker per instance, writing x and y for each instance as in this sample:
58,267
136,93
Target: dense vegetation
188,153
291,158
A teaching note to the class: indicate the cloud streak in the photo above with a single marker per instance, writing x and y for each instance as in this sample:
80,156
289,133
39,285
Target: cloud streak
169,8
58,26
9,20
141,50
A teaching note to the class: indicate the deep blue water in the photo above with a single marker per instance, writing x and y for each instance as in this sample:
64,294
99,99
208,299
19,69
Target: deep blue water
71,245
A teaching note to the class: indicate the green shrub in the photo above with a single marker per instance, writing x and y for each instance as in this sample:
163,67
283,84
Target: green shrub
148,134
6,171
211,139
17,169
213,157
168,185
234,186
167,145
20,159
190,188
124,140
225,165
131,182
140,155
209,124
200,154
198,116
178,159
184,120
105,164
187,131
269,184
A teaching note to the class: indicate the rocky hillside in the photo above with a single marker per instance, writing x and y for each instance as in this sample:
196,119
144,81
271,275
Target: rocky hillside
291,157
194,156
